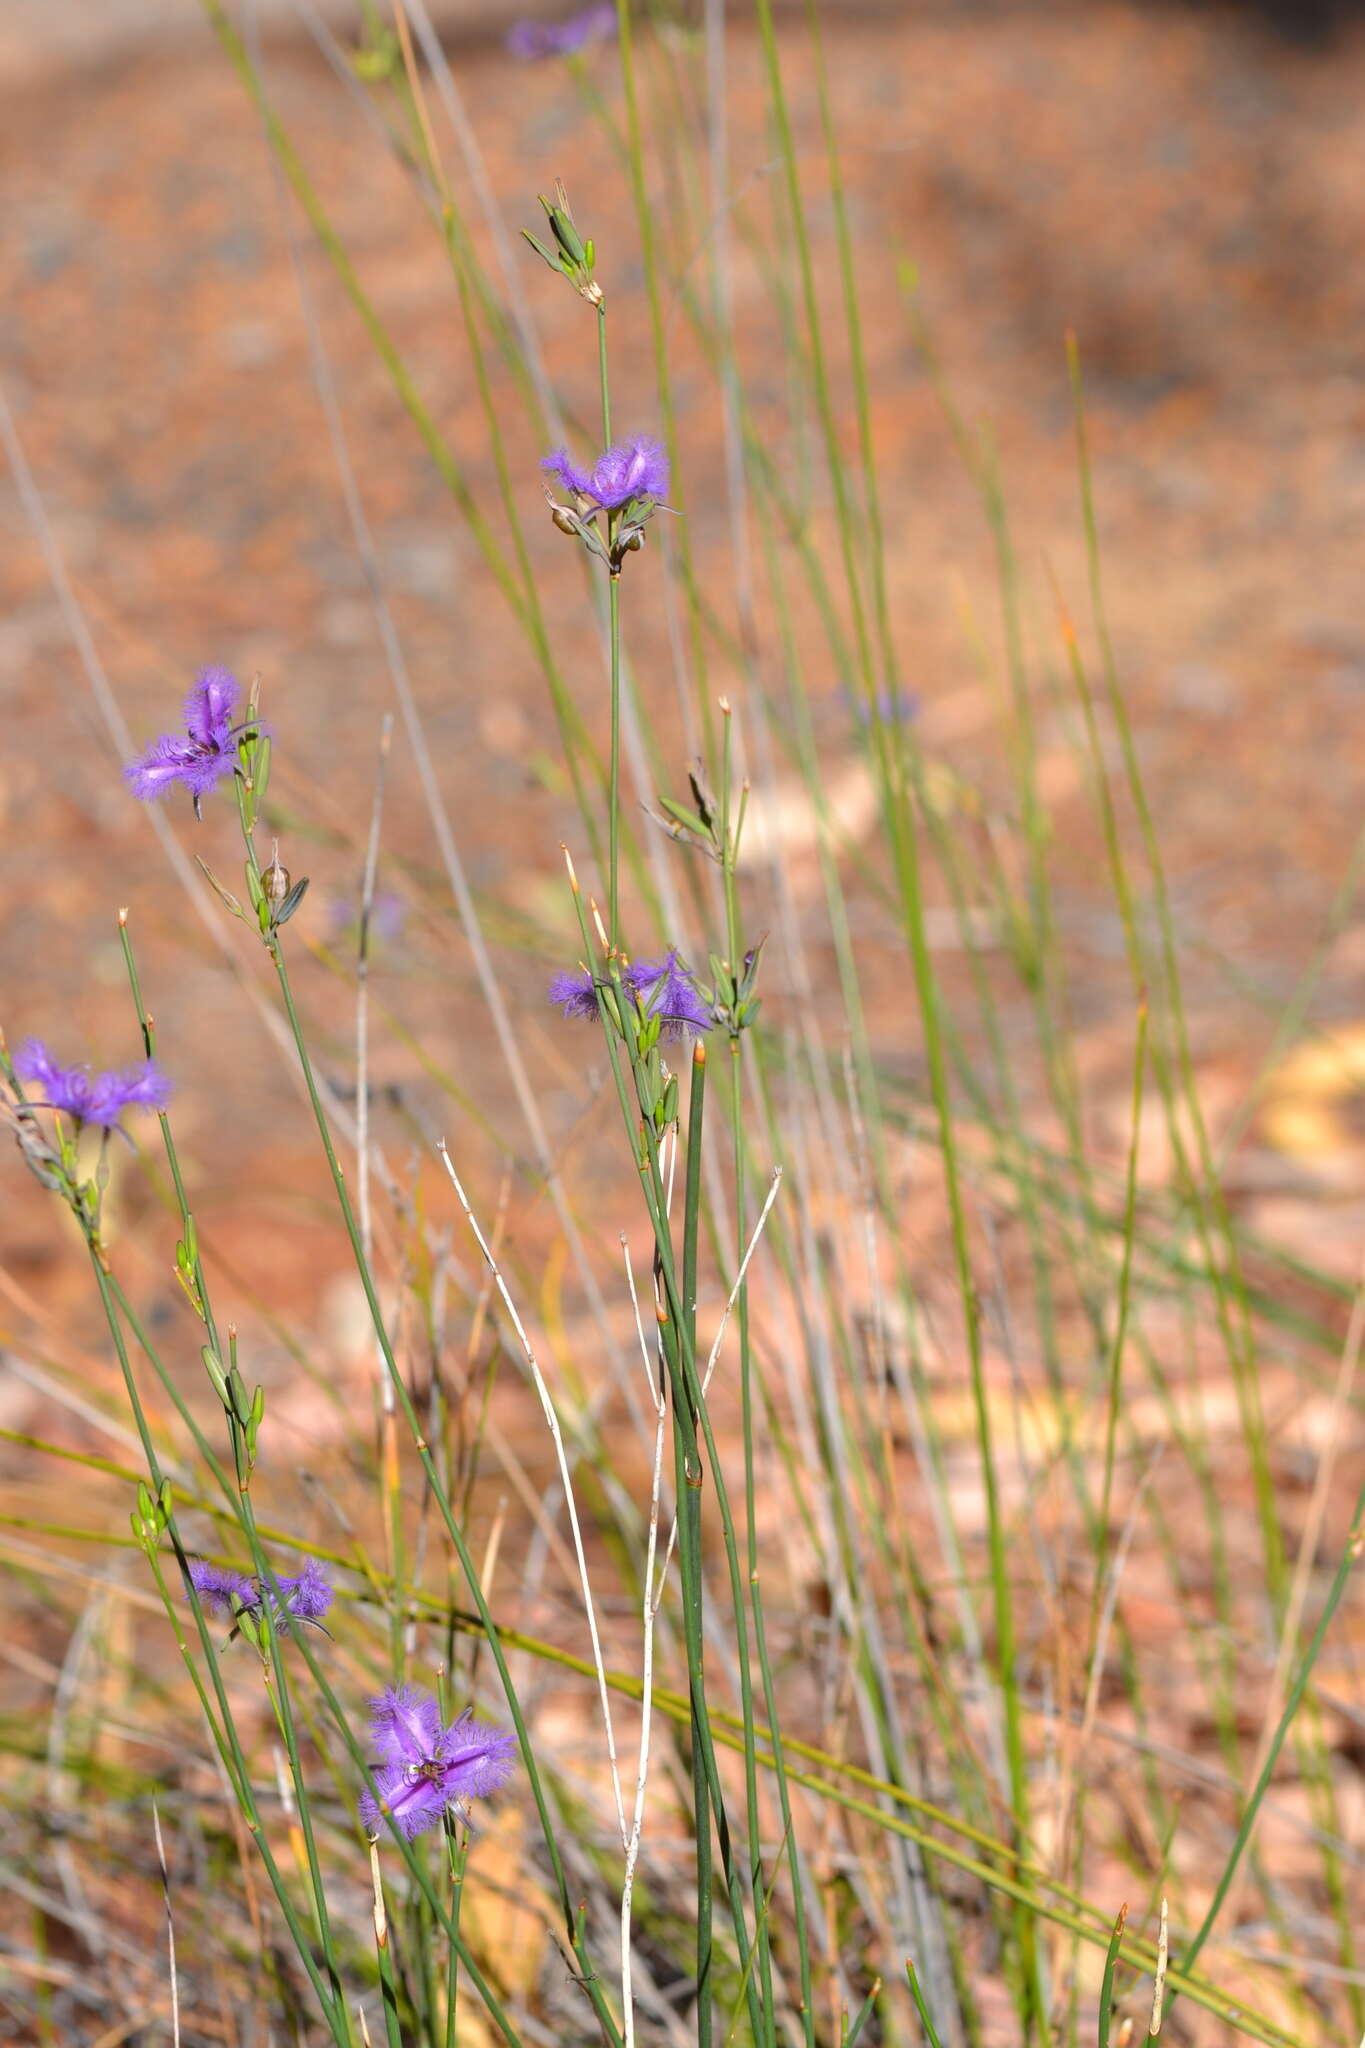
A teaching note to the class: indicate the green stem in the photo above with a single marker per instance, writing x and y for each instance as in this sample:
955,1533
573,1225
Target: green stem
572,1924
688,1489
614,793
1291,1708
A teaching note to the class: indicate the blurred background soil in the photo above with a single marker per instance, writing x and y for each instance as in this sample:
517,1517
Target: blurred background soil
1185,188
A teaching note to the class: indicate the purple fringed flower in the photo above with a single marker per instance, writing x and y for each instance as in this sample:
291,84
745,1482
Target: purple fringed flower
576,994
426,1770
220,1589
663,989
203,754
92,1098
527,40
305,1596
308,1594
631,472
666,990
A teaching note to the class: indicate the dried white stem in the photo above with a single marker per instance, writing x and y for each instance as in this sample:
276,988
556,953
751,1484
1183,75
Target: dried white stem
566,1480
170,1927
768,1200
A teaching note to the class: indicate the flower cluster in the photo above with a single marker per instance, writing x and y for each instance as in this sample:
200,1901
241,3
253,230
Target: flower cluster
530,39
663,988
427,1770
91,1098
200,756
305,1595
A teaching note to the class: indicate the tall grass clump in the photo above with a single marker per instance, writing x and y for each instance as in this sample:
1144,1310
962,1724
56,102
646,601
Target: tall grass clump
716,1627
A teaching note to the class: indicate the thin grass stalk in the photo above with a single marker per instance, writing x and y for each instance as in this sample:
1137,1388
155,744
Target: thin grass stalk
387,1418
688,1407
1239,1338
226,1742
225,1736
1294,1700
279,1693
1090,1921
646,223
926,2018
571,1921
688,1495
730,840
440,821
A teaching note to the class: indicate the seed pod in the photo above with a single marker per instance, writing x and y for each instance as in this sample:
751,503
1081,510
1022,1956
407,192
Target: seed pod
275,878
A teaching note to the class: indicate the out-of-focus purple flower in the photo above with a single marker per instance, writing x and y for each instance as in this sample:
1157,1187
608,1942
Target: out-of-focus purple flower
527,39
663,989
200,756
92,1098
630,472
666,990
388,915
895,706
427,1770
305,1596
220,1589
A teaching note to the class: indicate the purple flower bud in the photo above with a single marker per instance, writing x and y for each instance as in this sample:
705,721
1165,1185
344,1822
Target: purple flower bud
91,1098
205,752
427,1770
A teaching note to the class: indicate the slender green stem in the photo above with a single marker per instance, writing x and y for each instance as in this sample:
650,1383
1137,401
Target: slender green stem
1349,1556
926,2019
590,1978
688,1489
688,1407
602,377
614,797
1107,1981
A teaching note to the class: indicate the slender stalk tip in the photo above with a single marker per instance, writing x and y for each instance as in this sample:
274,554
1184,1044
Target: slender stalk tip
123,917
